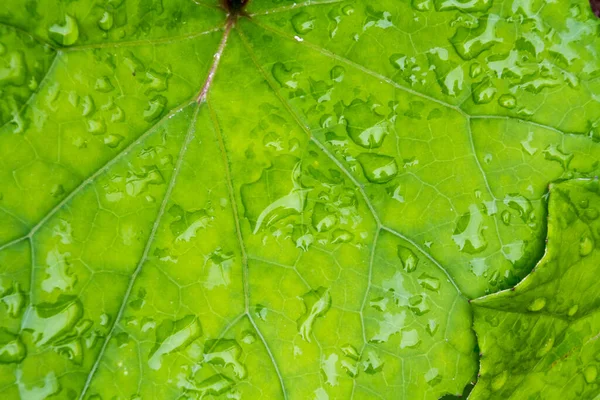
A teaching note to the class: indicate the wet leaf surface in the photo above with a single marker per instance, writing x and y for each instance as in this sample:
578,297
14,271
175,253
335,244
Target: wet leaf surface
296,202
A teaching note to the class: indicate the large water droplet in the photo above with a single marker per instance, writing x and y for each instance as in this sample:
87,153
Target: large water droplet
378,168
12,349
468,234
303,23
225,352
173,336
65,34
316,304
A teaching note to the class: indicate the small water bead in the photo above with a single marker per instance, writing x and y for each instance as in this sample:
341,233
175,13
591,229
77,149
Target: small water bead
433,376
155,108
106,21
408,258
65,34
468,234
554,153
590,373
537,305
483,92
507,101
586,245
303,23
365,124
103,85
372,363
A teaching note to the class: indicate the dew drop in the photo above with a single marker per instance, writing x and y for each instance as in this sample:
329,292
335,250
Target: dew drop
65,34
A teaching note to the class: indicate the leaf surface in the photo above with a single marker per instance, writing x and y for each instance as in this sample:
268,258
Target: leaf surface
540,340
295,203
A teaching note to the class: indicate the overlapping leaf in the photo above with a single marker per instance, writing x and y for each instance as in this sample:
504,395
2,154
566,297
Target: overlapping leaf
313,227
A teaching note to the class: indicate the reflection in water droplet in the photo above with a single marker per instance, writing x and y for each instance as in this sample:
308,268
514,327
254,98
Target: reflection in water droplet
328,367
215,385
522,205
155,108
225,352
408,258
483,92
388,326
507,101
373,363
410,339
590,373
12,349
103,85
378,168
303,23
586,245
450,76
554,153
65,34
470,42
433,376
365,125
106,21
316,304
173,336
14,299
50,321
429,282
537,304
49,386
468,234
138,183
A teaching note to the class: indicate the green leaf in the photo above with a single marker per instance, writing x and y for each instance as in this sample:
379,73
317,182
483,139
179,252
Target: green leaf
293,201
540,339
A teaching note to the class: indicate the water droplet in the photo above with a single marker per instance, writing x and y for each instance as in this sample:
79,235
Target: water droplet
337,73
137,183
12,349
322,219
341,236
365,125
433,376
49,321
432,326
106,21
522,205
113,141
96,126
449,75
65,34
13,298
186,224
470,42
418,304
408,258
58,272
264,203
316,304
303,23
421,5
215,385
586,245
429,282
103,85
328,367
537,304
87,104
545,347
15,70
410,339
468,234
483,92
590,373
350,352
464,6
156,81
286,77
554,153
173,336
225,352
391,324
573,310
507,101
49,386
506,217
156,106
378,168
373,363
